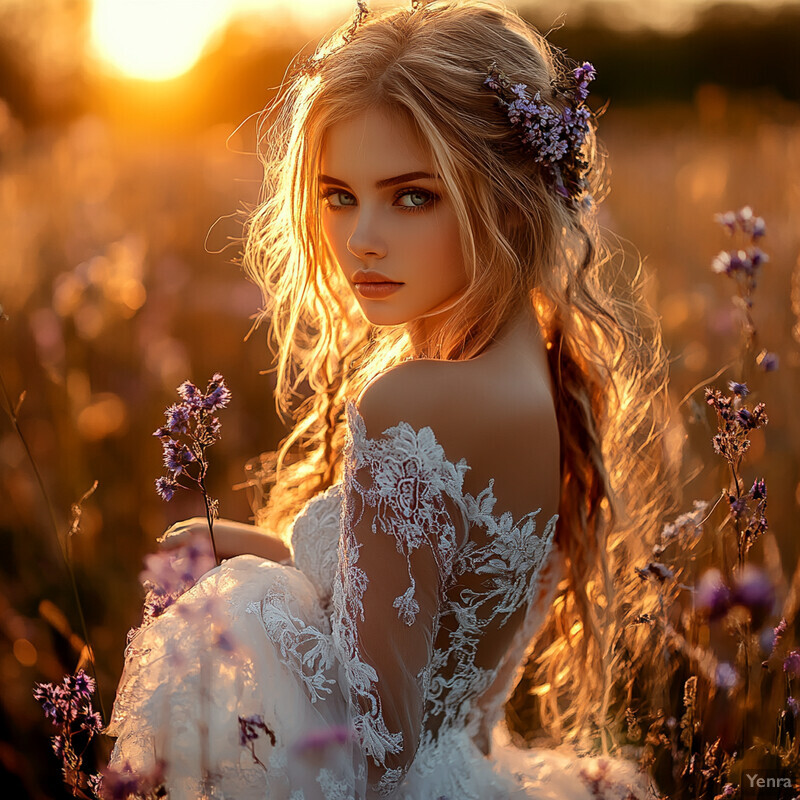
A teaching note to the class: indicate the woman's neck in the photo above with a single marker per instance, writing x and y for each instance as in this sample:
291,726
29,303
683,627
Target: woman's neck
516,335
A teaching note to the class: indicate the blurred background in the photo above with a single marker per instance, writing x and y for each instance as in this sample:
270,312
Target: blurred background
127,138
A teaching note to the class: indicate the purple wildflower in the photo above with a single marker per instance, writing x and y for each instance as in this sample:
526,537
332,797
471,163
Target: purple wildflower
88,720
754,591
738,506
723,263
69,702
162,572
749,222
791,664
553,137
155,604
792,704
178,417
719,402
726,676
177,456
745,417
584,75
743,266
744,221
320,739
739,262
166,487
190,394
739,389
757,257
56,702
120,784
58,746
170,573
735,423
69,707
192,418
217,393
778,632
82,684
769,362
727,220
712,596
759,490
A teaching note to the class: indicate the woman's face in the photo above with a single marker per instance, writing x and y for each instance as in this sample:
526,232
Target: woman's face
387,219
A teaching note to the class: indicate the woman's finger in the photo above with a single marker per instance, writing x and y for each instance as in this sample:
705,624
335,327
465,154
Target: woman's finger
180,533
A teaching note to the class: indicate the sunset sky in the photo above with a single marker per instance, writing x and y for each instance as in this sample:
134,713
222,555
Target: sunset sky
161,39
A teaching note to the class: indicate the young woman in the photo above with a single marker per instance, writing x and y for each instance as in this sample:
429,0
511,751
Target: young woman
474,460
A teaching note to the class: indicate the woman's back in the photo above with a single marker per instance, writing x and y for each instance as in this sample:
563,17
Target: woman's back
460,564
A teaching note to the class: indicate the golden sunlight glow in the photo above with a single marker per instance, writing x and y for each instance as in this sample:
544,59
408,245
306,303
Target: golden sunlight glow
154,39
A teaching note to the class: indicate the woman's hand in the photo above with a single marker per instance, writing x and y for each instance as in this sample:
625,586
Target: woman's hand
182,532
232,538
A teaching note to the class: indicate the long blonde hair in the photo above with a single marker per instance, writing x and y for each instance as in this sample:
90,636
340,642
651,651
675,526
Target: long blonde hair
521,244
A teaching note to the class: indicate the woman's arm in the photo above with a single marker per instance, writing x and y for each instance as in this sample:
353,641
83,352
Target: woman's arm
232,538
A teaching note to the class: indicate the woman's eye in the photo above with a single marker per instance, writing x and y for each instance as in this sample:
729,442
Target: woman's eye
334,193
419,198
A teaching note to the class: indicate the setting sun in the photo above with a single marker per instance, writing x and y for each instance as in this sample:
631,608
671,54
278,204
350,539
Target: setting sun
154,39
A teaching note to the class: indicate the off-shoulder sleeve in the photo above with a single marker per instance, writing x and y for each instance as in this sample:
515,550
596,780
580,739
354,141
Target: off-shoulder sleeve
396,554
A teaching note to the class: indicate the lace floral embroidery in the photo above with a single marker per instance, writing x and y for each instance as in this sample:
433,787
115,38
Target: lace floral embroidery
315,535
409,476
306,649
409,480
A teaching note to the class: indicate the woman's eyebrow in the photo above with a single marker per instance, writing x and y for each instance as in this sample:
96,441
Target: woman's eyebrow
407,176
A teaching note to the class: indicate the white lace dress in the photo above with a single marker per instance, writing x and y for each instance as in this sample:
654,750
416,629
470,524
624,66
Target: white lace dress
379,662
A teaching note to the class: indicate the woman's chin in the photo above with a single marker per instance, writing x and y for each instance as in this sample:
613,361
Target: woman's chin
384,317
386,314
387,323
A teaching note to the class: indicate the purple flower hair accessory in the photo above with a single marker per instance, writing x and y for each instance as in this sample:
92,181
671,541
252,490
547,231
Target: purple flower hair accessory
555,138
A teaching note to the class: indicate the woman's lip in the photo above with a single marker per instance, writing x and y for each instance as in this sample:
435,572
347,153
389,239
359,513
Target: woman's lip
373,290
371,276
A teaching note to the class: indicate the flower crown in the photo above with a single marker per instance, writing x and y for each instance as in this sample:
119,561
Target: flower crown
553,137
311,64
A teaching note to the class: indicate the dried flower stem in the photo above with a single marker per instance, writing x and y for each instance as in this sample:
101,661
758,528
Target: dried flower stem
211,507
12,412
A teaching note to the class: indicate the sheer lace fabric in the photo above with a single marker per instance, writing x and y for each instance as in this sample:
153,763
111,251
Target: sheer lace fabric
381,660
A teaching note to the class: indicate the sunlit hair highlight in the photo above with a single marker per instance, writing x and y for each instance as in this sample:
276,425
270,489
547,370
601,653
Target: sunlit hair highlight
521,245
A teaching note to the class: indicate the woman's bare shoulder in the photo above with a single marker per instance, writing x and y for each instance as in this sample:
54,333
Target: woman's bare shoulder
418,392
503,425
475,411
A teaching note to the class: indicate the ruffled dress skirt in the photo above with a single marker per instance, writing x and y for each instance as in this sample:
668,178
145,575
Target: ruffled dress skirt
210,660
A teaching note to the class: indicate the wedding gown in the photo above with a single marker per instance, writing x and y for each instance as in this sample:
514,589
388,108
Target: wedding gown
380,661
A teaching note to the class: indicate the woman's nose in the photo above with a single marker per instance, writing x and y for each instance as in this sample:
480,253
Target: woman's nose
365,240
